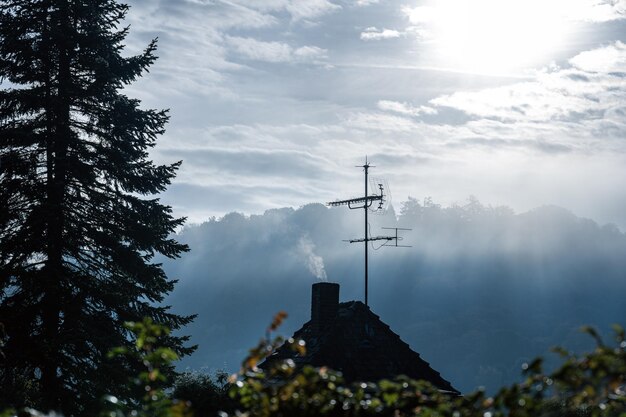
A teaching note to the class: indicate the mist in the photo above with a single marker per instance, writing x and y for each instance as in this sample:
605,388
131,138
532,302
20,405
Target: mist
480,290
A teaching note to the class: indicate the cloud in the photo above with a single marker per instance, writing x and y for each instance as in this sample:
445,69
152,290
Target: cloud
249,162
310,53
574,10
201,201
310,9
595,10
374,34
199,42
543,146
298,10
575,99
215,15
405,108
363,3
371,121
261,51
275,52
497,137
193,59
422,14
611,58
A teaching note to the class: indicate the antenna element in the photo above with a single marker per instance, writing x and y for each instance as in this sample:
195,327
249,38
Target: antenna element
366,203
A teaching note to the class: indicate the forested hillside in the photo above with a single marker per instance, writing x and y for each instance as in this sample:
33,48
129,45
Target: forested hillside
481,290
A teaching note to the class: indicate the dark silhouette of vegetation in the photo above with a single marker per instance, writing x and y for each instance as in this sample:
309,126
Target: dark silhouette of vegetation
79,223
205,395
587,385
593,384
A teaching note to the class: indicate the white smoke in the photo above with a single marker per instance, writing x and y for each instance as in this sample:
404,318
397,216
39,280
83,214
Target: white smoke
315,263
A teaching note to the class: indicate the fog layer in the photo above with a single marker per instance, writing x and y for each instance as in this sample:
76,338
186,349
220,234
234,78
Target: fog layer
480,291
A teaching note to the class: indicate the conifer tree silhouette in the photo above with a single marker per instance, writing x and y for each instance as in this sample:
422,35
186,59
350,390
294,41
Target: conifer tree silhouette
79,220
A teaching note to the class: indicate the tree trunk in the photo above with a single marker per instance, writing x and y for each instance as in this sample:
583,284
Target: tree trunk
57,169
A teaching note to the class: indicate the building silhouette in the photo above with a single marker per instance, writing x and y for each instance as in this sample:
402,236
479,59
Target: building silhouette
348,337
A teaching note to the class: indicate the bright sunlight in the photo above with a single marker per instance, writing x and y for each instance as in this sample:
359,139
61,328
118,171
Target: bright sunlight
492,36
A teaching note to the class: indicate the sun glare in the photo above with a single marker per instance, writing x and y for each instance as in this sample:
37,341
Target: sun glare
492,35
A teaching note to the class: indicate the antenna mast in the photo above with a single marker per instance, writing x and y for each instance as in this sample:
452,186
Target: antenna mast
365,203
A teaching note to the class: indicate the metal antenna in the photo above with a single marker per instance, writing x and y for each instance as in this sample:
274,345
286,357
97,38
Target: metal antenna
365,203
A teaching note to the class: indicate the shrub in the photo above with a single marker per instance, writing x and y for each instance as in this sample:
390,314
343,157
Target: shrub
593,385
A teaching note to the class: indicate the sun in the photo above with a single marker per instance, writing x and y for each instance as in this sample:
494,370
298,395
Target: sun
490,36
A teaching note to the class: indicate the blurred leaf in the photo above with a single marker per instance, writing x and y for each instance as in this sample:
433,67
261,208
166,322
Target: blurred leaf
278,320
593,333
620,335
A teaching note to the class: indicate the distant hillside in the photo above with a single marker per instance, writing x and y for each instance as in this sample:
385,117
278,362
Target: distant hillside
481,290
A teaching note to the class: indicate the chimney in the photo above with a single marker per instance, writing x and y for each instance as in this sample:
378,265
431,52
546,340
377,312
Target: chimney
324,303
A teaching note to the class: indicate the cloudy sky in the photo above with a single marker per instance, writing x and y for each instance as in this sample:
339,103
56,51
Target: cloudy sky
518,102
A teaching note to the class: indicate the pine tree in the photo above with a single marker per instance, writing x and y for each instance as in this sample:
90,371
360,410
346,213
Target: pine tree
79,221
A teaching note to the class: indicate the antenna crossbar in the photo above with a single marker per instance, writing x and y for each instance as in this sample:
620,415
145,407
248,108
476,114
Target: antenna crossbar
365,201
371,239
396,238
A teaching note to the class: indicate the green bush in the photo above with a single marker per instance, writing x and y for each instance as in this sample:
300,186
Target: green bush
151,399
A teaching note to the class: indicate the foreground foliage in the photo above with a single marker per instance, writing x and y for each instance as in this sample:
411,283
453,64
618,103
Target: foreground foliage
155,362
593,385
206,394
79,223
588,385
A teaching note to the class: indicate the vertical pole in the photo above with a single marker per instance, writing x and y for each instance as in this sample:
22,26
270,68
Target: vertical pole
366,166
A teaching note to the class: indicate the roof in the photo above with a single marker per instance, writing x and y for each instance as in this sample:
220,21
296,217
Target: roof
362,347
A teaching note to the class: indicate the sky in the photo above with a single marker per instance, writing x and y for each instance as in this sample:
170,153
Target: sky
273,102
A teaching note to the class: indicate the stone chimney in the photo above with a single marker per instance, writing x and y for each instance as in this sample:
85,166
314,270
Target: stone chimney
324,304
